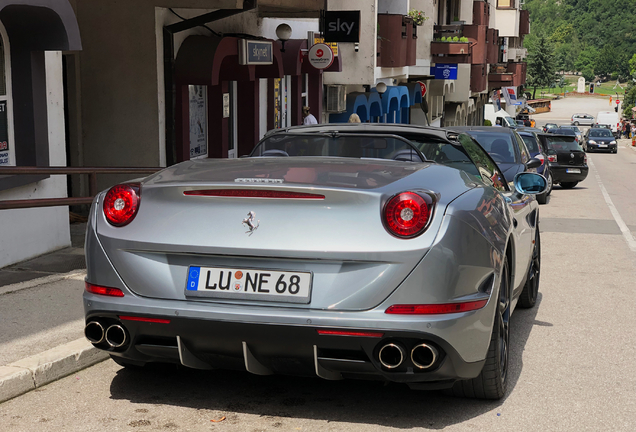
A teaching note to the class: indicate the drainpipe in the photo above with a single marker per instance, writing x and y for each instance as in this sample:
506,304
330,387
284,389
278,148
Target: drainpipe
168,67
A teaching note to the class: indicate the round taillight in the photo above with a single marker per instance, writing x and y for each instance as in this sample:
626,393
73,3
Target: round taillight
406,215
541,158
121,204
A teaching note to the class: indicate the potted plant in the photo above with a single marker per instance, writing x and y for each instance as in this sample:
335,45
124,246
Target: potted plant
418,16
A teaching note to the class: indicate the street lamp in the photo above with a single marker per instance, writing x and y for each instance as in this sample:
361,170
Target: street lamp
283,33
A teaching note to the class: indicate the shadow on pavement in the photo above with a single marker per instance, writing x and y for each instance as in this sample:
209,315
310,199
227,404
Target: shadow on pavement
366,402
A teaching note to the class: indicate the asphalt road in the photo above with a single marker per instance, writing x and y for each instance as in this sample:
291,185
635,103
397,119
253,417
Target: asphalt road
573,357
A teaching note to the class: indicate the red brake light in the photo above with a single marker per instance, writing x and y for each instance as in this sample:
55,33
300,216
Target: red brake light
142,319
552,158
121,203
432,309
102,290
406,214
350,333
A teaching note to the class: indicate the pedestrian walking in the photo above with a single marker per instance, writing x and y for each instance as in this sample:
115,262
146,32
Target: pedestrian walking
308,118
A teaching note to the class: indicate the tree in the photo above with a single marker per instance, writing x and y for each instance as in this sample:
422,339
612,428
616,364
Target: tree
541,65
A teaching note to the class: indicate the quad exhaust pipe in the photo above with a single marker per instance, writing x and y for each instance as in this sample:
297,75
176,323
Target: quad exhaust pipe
94,332
424,356
391,355
116,336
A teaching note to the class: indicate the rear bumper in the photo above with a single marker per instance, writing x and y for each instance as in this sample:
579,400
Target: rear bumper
560,174
283,349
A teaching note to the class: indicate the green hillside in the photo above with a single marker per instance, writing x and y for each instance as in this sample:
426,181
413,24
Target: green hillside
594,37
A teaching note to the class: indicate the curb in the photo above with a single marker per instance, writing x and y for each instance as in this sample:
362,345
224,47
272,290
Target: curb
74,274
32,372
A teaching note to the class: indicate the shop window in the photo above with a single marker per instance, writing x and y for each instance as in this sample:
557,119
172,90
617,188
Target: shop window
7,143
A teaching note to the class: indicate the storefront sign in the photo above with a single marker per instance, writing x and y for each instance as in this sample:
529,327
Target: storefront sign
320,56
198,121
446,71
255,52
342,26
4,134
332,45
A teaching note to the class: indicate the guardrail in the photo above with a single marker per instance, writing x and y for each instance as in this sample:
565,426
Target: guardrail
53,202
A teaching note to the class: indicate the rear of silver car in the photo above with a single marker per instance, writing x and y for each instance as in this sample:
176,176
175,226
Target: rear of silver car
306,280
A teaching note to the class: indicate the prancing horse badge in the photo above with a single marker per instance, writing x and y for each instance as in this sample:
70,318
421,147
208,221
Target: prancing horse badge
251,223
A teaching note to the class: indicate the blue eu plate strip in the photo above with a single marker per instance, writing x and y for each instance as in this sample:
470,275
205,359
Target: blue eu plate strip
193,278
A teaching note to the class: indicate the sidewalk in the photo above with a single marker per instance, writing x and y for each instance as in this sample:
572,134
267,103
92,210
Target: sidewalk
42,319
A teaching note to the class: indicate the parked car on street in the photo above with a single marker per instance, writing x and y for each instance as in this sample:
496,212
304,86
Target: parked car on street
582,119
531,139
599,139
577,131
505,147
566,158
332,250
548,126
563,131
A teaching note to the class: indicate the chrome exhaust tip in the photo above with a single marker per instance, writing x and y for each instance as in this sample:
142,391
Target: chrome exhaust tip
424,356
94,332
116,336
391,355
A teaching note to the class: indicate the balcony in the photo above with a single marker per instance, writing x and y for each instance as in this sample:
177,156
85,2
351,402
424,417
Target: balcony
492,51
517,54
478,78
476,34
481,13
524,22
396,41
450,52
507,75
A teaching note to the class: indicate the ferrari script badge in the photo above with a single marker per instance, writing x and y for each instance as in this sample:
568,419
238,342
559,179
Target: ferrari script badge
251,223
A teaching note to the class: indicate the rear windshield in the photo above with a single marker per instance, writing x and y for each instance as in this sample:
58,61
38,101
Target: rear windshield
600,133
562,143
574,128
531,143
563,131
497,145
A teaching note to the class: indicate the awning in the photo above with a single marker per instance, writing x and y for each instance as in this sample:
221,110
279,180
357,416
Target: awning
41,25
357,103
208,60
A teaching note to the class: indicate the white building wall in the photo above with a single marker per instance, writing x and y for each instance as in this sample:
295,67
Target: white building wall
26,233
466,11
358,67
507,21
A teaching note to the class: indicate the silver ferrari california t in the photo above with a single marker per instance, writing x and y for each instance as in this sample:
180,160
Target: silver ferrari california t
366,251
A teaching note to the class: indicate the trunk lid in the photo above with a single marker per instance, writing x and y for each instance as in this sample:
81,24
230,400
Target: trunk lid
339,239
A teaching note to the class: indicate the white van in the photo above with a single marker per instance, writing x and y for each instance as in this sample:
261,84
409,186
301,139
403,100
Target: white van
504,119
609,118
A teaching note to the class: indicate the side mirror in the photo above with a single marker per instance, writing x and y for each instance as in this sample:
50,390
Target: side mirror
530,183
533,163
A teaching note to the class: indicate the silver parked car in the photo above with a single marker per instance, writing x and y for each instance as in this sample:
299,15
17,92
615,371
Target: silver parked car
341,250
582,120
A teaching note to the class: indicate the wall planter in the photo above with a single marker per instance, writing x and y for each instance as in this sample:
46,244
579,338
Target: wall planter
450,48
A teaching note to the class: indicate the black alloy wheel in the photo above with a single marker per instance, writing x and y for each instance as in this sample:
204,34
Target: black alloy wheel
550,184
528,297
492,382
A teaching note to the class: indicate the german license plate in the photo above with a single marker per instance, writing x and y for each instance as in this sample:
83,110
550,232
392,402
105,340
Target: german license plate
602,145
573,171
249,284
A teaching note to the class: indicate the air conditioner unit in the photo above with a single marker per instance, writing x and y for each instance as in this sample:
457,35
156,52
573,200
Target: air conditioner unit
336,99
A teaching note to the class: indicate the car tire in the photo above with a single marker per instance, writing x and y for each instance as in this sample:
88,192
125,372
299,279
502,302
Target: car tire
550,185
492,381
568,185
576,123
528,297
543,198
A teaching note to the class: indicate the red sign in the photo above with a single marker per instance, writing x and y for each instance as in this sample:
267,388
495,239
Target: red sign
422,88
617,101
319,53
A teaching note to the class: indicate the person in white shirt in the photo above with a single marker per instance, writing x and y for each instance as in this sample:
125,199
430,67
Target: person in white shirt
308,118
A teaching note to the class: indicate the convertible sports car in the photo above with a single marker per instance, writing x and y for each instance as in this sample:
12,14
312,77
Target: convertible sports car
341,251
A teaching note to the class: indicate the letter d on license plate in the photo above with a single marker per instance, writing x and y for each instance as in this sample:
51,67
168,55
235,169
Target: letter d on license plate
249,284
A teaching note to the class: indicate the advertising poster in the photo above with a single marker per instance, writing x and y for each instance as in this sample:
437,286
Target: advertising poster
4,134
198,121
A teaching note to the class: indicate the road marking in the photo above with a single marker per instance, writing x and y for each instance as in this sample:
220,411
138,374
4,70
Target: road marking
629,238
